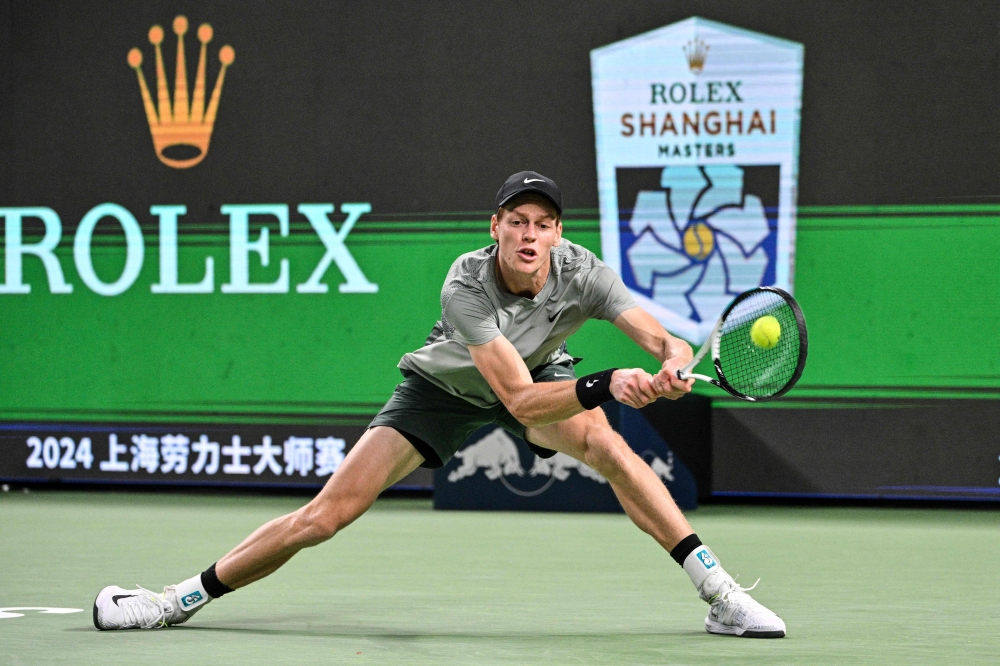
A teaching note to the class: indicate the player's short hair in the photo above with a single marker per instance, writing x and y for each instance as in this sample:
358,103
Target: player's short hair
530,197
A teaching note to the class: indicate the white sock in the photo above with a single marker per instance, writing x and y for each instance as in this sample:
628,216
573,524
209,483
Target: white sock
191,594
699,564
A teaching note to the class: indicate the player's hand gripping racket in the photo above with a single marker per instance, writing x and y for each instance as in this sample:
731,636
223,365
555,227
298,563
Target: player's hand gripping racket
758,346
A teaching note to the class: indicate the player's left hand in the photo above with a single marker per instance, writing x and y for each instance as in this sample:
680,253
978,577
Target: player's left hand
666,382
633,387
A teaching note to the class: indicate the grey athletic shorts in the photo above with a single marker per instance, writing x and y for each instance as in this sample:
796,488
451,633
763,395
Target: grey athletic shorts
437,423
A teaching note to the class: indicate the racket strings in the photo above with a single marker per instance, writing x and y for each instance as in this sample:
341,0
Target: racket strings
755,371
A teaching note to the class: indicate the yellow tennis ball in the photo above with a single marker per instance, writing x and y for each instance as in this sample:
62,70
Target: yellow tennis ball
765,332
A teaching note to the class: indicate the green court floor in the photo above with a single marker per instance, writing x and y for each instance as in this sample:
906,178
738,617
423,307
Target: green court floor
408,585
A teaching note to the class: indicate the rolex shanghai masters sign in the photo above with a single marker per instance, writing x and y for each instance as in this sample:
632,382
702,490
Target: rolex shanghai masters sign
697,127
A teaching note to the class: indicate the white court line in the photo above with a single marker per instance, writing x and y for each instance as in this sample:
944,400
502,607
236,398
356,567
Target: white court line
6,613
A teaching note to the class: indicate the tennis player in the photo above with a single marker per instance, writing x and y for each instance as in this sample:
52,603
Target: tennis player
497,355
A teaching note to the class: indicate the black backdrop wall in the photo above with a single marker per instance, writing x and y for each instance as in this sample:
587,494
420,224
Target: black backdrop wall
426,106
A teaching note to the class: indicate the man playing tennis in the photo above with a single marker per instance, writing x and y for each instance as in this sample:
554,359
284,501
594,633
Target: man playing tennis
496,356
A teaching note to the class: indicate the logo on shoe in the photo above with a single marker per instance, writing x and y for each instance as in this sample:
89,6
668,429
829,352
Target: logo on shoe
191,599
706,559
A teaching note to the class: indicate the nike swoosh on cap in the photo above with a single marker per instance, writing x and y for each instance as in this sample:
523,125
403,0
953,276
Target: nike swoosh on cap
115,598
533,180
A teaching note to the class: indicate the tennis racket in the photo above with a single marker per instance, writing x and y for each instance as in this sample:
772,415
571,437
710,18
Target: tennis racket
758,346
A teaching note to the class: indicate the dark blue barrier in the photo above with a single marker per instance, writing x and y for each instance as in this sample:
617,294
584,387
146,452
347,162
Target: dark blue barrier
496,471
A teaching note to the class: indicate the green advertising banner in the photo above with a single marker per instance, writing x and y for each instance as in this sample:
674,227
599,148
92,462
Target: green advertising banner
884,290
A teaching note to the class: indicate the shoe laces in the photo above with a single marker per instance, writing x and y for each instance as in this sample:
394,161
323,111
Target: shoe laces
737,594
147,609
739,588
732,591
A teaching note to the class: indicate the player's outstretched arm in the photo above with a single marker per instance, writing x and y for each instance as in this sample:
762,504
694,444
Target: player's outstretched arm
672,353
540,404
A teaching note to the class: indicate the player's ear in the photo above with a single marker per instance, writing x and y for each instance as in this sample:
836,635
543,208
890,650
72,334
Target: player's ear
558,232
494,223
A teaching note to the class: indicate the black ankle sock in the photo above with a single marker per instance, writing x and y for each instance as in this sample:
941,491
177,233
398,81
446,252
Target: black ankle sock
212,584
679,553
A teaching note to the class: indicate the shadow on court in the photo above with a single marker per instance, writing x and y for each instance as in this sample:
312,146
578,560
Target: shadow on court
395,634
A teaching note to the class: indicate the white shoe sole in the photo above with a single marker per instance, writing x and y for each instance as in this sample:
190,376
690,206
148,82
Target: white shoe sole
713,627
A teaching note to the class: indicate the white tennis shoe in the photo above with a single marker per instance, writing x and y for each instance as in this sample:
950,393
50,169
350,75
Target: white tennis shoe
734,612
118,608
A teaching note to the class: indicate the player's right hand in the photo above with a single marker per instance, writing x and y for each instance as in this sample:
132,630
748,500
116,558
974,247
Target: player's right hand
666,382
633,387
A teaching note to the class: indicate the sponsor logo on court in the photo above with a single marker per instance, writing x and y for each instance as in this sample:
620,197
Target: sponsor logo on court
181,127
662,468
497,456
697,127
191,599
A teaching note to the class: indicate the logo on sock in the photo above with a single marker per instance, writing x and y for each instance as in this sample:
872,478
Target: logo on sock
706,559
191,599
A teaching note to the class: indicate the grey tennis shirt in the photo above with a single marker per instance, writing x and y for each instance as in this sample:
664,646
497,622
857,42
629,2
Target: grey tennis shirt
476,309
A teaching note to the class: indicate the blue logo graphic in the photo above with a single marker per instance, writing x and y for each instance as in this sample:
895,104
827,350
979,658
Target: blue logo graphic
191,599
693,237
706,559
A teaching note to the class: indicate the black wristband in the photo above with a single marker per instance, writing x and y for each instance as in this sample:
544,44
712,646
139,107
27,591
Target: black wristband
685,547
594,390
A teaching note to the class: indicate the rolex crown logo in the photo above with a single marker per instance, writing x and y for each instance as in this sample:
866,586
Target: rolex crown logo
696,51
183,126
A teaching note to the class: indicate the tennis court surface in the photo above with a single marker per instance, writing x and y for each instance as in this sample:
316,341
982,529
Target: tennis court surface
407,585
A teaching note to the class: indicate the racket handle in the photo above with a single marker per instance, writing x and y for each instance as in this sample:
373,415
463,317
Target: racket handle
681,375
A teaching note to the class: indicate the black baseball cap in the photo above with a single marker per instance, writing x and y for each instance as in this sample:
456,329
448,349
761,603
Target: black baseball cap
530,181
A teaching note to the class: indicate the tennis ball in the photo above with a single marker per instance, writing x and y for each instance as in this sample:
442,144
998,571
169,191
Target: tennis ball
765,332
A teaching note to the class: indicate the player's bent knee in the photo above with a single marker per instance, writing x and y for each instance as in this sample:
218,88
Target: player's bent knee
607,452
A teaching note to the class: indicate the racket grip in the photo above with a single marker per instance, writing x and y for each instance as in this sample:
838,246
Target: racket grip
681,374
